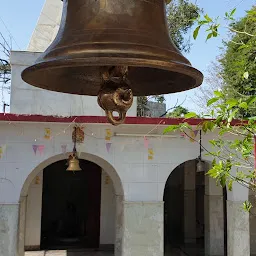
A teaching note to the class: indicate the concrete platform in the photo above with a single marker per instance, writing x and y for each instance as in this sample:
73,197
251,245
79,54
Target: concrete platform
68,253
172,252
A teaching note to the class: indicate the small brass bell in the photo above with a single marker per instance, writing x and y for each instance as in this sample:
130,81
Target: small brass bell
114,50
73,164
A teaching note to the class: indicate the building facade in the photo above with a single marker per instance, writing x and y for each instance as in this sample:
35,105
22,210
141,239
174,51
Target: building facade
138,194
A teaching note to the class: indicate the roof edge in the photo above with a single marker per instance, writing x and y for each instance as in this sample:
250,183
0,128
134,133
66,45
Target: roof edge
7,117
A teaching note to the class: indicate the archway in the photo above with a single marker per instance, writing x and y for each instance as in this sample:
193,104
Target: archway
184,210
106,176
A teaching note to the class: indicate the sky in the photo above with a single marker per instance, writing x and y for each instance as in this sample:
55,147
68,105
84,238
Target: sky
18,20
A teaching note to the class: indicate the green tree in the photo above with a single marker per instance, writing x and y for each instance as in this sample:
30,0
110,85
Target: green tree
239,61
232,152
181,15
178,112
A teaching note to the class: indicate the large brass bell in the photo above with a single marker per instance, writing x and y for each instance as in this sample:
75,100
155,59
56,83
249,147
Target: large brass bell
113,42
73,164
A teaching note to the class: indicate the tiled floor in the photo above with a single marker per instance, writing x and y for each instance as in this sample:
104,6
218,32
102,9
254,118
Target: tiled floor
184,251
173,252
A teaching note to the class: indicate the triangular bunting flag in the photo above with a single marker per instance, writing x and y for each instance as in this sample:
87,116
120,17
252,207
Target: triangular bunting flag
41,149
196,132
35,147
146,142
108,146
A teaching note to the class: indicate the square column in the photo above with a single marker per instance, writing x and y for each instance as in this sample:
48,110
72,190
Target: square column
238,229
9,215
22,226
143,229
214,225
190,202
214,218
119,225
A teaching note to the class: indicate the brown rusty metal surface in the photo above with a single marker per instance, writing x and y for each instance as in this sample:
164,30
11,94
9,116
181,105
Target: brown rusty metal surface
95,34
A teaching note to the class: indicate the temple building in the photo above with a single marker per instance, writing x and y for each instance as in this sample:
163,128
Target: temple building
139,193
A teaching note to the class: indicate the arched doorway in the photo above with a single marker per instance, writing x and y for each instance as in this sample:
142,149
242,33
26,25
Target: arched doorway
184,210
71,206
78,210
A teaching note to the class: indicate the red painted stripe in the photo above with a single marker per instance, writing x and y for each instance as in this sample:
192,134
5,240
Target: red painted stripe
99,119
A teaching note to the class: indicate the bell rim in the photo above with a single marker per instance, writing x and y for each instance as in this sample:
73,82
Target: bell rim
165,65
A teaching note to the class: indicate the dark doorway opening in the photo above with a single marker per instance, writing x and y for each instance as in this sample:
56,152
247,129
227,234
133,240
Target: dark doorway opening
184,211
71,207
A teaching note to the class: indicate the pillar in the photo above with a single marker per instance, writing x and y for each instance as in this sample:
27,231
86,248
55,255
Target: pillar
143,229
9,215
238,223
119,225
214,218
238,229
22,226
189,202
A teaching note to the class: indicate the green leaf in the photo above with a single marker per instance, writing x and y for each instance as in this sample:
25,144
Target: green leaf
205,126
218,93
210,35
210,125
211,101
243,105
247,206
232,115
207,18
230,185
190,115
251,100
213,173
232,102
215,33
233,12
171,128
243,46
195,33
246,75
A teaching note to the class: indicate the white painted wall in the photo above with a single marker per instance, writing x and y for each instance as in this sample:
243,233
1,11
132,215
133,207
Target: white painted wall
142,179
126,163
27,99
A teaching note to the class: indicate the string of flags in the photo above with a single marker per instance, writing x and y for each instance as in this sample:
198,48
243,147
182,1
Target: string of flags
39,148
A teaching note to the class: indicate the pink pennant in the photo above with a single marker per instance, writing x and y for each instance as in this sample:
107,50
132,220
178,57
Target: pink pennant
35,147
41,149
146,142
108,146
64,149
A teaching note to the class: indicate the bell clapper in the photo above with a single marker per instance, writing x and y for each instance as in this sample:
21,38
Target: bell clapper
115,94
